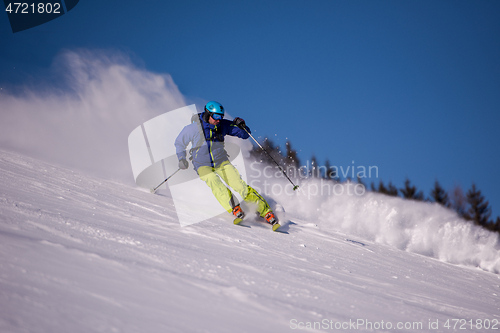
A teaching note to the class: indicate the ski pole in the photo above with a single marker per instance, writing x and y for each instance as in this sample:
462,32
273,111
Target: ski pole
163,182
279,166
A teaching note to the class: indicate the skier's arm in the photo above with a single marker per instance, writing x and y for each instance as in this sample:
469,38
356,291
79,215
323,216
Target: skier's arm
239,131
181,143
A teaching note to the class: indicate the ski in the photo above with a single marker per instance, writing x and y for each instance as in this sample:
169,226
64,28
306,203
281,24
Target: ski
355,242
237,221
275,227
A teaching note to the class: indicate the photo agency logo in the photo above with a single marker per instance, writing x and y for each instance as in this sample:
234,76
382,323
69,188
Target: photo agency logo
28,14
314,180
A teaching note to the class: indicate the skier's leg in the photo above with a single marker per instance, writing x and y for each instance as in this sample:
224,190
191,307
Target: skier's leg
233,178
219,190
262,205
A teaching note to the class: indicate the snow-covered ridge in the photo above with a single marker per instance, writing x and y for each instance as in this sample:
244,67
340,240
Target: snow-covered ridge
83,254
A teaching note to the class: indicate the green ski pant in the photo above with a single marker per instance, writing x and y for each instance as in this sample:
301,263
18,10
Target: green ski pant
226,171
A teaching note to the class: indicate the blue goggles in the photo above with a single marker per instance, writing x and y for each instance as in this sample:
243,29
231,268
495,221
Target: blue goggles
217,116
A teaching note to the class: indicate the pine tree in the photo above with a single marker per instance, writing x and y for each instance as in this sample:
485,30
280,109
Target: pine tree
410,192
381,188
330,173
439,195
458,202
389,190
314,172
496,226
291,156
360,181
479,210
392,190
262,156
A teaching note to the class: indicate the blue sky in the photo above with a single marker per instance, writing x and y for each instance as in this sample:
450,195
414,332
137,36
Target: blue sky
412,87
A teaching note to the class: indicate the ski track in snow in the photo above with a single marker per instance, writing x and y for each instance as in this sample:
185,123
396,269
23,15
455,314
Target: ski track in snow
81,254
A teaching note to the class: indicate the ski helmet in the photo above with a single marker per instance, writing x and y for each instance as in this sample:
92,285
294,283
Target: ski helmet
215,109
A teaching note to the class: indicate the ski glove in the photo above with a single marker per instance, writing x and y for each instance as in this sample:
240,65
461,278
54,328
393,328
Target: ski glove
239,122
183,164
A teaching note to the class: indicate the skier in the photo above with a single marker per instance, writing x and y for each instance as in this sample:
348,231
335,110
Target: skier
210,160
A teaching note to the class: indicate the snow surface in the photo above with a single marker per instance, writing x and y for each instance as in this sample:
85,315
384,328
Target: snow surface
83,254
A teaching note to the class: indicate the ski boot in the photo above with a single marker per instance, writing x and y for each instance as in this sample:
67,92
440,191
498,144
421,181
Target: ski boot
272,220
239,214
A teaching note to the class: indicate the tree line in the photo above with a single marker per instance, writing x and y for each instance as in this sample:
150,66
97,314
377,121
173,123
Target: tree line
471,205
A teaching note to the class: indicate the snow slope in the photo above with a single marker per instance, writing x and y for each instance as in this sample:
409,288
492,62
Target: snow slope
82,254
